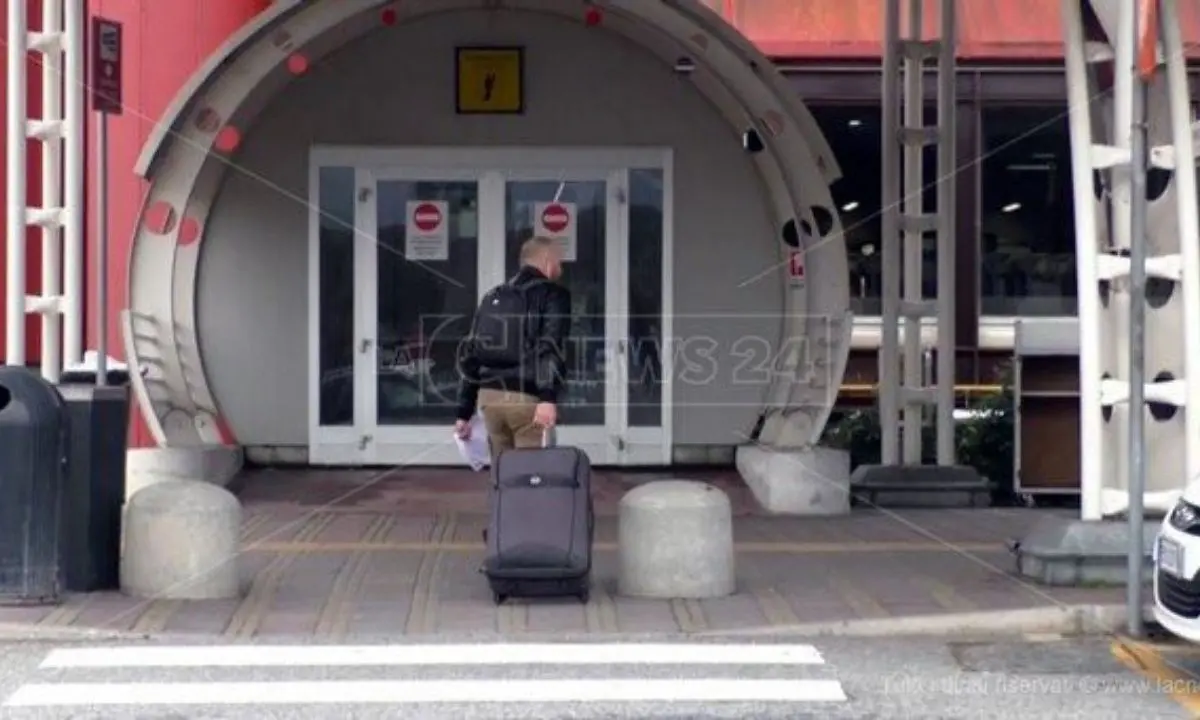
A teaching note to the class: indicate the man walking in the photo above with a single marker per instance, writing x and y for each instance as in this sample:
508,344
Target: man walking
513,365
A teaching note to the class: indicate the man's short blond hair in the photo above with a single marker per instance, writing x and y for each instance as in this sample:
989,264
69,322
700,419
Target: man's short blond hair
535,247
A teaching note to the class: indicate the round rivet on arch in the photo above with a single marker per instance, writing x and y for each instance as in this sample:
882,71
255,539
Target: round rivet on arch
593,16
228,139
207,120
159,217
189,231
297,63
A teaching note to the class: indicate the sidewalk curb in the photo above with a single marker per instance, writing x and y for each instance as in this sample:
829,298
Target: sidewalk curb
1055,620
1065,620
32,632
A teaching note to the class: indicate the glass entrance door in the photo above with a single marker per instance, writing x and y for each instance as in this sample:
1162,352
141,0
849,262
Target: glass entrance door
582,211
424,276
428,243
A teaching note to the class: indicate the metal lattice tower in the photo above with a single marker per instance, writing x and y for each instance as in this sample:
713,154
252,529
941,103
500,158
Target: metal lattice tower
59,126
1101,142
904,387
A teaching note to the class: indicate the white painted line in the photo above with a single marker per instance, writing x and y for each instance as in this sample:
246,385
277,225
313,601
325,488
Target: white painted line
147,656
410,692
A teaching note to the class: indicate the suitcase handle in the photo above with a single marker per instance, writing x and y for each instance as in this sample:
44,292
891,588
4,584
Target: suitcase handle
549,437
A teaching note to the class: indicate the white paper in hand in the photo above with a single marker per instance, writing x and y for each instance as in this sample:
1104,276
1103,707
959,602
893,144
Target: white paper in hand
474,449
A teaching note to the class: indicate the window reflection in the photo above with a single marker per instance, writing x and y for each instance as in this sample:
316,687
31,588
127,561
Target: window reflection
336,294
1027,239
855,135
645,297
585,278
424,307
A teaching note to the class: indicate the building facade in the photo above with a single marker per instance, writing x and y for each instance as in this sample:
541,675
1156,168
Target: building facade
317,339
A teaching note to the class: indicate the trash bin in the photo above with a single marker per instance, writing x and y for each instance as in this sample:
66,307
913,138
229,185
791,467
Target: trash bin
94,490
33,457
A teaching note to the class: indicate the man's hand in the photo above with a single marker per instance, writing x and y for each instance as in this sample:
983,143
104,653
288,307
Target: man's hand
462,429
545,415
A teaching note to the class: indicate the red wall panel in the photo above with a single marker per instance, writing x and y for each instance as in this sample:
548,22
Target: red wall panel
853,29
164,42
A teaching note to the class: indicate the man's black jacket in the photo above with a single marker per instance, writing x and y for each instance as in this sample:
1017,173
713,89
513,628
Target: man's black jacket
544,374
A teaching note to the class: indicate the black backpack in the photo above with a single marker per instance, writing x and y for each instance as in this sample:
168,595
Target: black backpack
501,333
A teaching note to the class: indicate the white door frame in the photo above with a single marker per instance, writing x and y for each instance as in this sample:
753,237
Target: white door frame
366,443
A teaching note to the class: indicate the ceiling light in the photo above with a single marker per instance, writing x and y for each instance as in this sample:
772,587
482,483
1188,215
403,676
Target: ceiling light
850,206
1011,207
855,123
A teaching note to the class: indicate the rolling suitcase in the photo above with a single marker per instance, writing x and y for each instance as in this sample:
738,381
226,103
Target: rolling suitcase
539,538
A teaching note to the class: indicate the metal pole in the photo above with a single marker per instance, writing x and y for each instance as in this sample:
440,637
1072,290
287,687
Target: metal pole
102,248
914,240
947,102
75,130
52,146
18,38
889,360
1137,335
1091,458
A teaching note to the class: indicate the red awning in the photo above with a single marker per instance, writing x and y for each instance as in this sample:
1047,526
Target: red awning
853,29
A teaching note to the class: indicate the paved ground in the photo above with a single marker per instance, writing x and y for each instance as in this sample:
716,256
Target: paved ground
459,679
346,554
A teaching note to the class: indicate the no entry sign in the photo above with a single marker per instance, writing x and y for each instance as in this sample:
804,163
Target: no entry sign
427,232
557,220
427,217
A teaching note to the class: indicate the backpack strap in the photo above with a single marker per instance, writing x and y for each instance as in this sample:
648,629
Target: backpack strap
523,290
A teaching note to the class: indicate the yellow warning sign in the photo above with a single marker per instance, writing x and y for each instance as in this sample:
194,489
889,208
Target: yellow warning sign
490,80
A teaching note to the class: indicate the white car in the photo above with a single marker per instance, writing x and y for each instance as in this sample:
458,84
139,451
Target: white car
1176,566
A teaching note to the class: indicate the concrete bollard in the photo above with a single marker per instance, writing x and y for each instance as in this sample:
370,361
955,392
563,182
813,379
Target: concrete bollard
675,540
216,464
799,481
181,542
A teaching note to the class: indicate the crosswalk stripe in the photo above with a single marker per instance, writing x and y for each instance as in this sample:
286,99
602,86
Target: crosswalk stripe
408,692
489,654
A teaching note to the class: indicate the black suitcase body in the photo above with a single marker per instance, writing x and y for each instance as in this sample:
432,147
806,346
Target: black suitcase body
539,538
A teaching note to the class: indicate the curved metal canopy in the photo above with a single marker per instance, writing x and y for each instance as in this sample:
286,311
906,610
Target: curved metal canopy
187,155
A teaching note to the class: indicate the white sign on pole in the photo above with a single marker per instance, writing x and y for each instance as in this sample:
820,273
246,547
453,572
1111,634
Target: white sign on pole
557,220
427,231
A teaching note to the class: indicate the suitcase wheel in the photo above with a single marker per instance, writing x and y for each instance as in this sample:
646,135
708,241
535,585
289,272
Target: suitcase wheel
499,598
584,595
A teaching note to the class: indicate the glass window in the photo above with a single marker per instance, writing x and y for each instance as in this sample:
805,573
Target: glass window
1027,236
645,297
336,295
855,135
425,307
584,277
